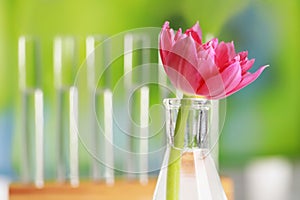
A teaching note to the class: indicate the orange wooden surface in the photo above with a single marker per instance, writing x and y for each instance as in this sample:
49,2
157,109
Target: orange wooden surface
87,190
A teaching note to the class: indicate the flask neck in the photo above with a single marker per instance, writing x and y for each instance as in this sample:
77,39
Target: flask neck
197,121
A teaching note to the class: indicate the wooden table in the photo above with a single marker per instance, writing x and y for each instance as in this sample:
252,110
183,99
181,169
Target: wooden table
87,190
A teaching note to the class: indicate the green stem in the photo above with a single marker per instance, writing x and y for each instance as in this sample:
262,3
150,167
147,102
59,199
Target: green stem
173,174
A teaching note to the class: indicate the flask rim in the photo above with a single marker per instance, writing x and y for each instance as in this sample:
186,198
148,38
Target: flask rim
193,103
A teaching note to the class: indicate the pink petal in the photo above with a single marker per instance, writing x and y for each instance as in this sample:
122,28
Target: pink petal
247,79
166,37
232,76
166,41
181,65
179,35
166,25
207,68
217,86
231,50
212,87
184,81
243,55
221,55
207,50
205,54
247,65
195,32
185,49
213,43
224,53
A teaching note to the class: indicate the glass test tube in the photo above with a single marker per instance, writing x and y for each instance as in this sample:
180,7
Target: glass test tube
65,57
128,48
73,134
104,112
97,57
108,131
136,54
144,134
32,111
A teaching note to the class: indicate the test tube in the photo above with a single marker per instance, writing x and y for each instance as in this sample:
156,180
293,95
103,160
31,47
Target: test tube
144,134
29,63
32,128
108,132
73,130
97,57
105,154
98,53
39,138
128,48
136,54
65,69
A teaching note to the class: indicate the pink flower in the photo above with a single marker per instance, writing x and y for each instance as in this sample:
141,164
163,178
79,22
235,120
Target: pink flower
212,70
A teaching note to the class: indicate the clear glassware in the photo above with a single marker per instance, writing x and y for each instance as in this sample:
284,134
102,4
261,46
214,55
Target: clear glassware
188,170
31,131
65,58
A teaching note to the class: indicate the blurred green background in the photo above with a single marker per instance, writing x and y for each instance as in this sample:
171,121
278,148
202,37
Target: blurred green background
262,119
